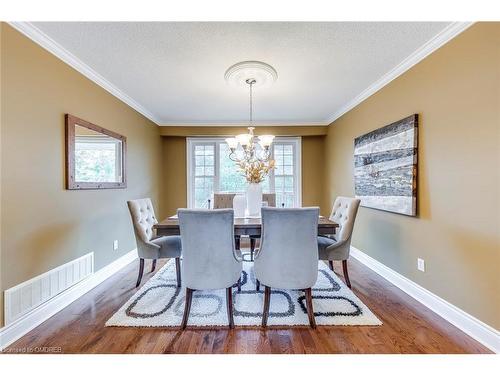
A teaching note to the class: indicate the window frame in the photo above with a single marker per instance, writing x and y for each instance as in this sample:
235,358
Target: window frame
191,142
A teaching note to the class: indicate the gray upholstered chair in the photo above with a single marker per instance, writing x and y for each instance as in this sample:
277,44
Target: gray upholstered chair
288,255
209,258
337,246
149,247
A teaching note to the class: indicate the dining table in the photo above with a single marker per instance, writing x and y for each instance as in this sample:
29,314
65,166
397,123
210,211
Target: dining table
243,226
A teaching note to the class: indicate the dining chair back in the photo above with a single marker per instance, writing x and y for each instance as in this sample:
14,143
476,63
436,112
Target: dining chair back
338,246
209,259
270,198
288,255
143,219
223,200
344,213
149,246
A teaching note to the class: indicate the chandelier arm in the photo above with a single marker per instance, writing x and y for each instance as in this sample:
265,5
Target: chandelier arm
266,157
264,160
233,157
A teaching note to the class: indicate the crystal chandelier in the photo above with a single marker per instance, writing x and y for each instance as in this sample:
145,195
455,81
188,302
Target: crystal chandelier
245,150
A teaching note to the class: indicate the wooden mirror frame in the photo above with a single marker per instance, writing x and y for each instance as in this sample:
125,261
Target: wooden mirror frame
71,121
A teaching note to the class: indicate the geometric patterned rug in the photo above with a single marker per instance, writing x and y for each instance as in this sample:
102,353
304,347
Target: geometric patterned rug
159,303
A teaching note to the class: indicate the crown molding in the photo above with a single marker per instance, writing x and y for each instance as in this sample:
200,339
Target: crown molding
42,39
443,37
239,124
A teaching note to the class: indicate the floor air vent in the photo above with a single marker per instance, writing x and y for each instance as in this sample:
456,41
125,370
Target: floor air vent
22,298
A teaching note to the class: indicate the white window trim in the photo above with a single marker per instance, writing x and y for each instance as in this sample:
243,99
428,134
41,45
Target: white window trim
191,141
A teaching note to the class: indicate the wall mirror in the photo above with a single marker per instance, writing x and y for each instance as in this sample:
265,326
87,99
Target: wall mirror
95,157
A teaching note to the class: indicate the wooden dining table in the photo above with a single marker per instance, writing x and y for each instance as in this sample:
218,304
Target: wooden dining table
242,226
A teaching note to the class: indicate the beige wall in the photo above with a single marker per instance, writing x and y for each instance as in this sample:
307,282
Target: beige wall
455,91
174,177
312,171
174,166
44,225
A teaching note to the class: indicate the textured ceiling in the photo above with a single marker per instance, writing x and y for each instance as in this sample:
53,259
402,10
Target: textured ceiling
176,70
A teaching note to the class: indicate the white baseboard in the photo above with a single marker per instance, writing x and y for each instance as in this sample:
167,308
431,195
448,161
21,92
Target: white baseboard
486,335
20,327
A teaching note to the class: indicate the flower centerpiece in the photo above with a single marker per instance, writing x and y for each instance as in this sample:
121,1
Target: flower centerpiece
255,171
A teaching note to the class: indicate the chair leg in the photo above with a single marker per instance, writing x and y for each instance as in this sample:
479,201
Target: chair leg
267,300
239,284
178,271
153,265
346,274
229,303
310,311
253,242
187,307
257,285
330,263
141,271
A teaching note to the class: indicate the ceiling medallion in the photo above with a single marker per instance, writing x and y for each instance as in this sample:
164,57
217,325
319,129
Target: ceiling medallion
239,74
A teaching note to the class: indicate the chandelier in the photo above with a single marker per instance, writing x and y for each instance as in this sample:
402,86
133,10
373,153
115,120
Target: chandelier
251,154
250,151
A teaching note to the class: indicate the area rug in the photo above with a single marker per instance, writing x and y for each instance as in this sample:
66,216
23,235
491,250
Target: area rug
159,303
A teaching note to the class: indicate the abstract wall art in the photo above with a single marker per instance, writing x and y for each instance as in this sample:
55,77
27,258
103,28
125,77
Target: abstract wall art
385,167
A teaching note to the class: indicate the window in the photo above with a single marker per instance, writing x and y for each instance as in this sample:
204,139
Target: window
284,174
204,175
210,170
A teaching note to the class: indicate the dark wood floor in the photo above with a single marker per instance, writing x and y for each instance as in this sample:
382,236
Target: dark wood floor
408,327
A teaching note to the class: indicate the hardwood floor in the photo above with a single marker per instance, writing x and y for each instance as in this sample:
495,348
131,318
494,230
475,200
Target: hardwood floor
408,327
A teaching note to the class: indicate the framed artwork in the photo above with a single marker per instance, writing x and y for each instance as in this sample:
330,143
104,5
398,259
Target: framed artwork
385,167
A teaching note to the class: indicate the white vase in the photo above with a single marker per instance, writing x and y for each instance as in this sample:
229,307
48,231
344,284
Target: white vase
254,199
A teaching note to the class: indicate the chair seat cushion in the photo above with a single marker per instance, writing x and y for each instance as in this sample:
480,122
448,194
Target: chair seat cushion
329,249
170,246
324,242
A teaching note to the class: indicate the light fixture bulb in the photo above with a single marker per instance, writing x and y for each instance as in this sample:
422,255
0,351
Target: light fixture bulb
244,139
266,140
232,143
